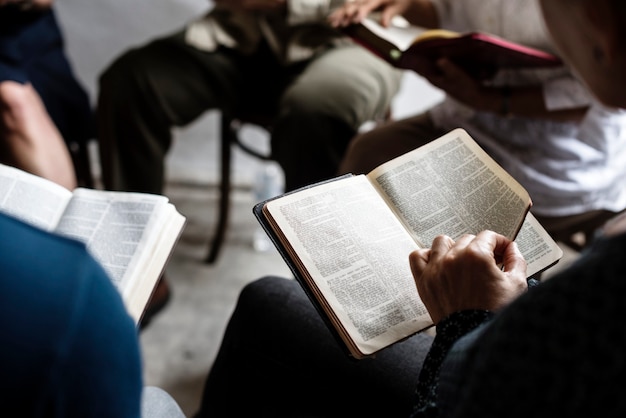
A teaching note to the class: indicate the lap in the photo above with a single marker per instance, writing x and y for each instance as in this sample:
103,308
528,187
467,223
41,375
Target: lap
346,81
370,149
189,81
276,335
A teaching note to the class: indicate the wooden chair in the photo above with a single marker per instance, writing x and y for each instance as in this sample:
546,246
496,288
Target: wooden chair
230,126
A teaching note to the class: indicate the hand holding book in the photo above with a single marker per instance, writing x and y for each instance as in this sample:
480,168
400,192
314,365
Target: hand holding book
466,274
480,54
132,235
348,240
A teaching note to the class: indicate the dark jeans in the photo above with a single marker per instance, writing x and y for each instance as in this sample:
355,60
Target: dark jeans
279,359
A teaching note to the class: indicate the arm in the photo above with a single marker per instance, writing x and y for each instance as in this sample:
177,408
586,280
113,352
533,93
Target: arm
417,12
29,138
526,101
462,283
482,272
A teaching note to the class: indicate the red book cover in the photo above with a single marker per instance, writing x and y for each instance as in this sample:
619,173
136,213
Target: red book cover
480,54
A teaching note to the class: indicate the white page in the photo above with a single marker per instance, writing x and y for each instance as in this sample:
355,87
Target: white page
114,226
349,239
400,32
32,199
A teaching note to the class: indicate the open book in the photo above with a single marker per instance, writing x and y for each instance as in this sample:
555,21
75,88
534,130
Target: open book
347,240
132,235
479,54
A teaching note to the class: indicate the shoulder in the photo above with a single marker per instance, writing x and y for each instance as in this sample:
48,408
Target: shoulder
31,250
60,317
49,278
567,331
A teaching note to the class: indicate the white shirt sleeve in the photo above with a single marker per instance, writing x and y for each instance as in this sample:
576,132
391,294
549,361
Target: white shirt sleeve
565,93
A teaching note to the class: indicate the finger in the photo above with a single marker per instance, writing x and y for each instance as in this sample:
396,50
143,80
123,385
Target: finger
441,245
500,247
350,12
513,261
367,7
388,14
498,243
418,260
464,241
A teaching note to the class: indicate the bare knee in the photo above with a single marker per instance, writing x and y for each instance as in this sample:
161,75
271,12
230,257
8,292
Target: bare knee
18,102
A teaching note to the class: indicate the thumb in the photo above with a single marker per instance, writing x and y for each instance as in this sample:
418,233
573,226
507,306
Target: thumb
388,14
418,260
513,261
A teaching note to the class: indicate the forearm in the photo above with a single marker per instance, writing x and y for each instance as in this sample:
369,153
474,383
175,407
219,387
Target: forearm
30,140
449,330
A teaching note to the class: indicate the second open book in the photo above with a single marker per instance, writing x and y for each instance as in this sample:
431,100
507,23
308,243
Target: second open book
347,240
480,54
132,235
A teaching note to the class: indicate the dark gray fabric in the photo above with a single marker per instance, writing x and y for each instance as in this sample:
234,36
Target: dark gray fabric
557,351
278,359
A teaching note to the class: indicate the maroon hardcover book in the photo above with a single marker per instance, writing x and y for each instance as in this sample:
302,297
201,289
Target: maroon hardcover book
480,54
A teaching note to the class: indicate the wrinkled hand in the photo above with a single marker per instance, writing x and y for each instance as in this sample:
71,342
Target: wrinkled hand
467,274
253,5
354,11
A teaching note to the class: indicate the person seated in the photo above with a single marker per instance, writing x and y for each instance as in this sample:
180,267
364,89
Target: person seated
42,106
501,350
278,58
543,126
68,346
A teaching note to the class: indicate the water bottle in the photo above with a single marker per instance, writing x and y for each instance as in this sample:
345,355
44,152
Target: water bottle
268,183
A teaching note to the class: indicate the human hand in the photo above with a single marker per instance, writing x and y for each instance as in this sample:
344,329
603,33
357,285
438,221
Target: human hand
253,5
457,83
354,11
467,274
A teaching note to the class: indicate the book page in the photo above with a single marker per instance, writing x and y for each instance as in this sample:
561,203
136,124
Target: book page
153,265
32,199
116,227
356,253
451,186
537,246
400,32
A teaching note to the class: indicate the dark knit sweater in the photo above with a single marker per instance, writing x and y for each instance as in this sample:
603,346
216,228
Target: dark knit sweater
557,351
